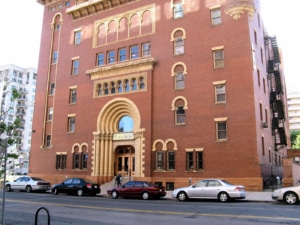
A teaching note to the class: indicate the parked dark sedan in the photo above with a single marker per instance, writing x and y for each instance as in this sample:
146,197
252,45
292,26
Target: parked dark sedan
76,186
141,189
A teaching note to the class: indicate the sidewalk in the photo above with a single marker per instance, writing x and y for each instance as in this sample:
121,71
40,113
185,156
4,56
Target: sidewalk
252,196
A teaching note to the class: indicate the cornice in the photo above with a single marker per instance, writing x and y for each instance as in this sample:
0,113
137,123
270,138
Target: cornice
236,8
93,6
128,67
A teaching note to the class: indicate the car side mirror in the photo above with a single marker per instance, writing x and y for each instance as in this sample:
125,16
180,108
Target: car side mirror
63,183
194,186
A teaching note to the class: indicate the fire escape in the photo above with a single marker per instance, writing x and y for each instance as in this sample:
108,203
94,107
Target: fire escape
276,95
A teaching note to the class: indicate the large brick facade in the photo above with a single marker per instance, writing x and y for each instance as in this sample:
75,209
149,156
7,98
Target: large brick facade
172,73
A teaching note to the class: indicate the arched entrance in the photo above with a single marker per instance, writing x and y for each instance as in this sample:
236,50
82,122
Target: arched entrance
118,144
125,160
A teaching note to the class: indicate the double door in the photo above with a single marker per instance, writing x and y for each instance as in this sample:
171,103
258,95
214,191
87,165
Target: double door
125,161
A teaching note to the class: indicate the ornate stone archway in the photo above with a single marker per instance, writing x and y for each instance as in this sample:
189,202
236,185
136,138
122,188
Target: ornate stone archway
104,144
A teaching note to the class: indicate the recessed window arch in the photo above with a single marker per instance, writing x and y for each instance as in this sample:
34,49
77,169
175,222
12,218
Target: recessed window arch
126,124
120,87
179,107
127,86
179,72
99,89
106,89
134,84
142,82
177,37
113,87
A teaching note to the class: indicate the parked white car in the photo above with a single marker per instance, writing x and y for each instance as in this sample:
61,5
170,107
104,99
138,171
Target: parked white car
28,184
290,195
211,189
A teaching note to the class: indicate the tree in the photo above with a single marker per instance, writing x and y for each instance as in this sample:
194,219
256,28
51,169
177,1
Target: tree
293,136
296,144
8,129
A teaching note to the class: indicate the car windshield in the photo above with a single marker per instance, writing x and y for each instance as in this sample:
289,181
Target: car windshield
226,182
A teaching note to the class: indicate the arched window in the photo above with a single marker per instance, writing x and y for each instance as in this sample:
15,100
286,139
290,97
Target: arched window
177,37
127,86
106,90
120,88
126,124
179,107
113,87
142,83
99,89
134,85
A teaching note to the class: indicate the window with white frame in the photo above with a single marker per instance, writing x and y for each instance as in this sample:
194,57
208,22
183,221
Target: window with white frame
221,129
77,37
218,57
71,123
215,16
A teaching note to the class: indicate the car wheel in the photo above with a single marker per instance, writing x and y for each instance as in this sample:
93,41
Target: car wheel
55,191
182,196
114,194
7,188
28,189
290,198
79,192
145,195
223,197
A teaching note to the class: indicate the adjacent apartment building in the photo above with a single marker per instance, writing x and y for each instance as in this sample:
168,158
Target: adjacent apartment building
293,100
168,91
23,80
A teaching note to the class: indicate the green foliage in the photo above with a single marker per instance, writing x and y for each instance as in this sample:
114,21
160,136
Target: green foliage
293,137
296,144
8,131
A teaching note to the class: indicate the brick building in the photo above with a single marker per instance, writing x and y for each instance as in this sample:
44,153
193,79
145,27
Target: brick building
159,90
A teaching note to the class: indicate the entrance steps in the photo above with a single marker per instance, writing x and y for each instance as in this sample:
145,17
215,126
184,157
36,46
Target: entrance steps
104,187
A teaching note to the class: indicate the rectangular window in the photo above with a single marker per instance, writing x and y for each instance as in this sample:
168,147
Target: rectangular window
221,131
100,59
260,112
54,57
64,161
77,37
179,46
58,162
48,140
199,160
122,54
159,160
171,160
215,16
75,67
73,96
220,93
134,52
189,161
178,11
71,124
50,114
52,88
146,49
263,146
110,57
218,58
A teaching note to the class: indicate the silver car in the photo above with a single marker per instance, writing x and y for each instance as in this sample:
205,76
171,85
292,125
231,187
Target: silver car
290,195
28,184
210,189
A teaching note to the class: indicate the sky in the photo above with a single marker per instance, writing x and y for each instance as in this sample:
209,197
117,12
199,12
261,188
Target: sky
21,23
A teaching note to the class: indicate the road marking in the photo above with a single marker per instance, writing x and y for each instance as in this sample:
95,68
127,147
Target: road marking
162,212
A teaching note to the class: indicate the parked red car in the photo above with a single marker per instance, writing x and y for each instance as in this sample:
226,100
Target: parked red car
142,189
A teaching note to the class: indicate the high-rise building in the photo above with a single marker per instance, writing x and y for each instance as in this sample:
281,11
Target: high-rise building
293,101
169,91
24,81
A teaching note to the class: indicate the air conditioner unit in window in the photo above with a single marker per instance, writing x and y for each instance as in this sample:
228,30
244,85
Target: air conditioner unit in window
264,125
